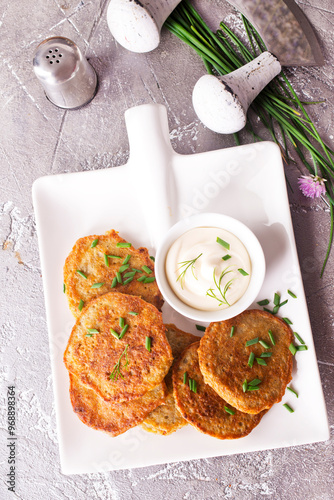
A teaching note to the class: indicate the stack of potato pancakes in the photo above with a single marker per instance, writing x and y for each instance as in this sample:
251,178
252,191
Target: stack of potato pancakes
120,353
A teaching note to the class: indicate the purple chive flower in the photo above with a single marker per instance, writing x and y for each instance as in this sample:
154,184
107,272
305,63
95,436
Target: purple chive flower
312,186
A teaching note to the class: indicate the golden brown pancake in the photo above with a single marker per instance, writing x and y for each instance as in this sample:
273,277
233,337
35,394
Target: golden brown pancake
114,419
166,418
100,271
224,360
119,369
204,409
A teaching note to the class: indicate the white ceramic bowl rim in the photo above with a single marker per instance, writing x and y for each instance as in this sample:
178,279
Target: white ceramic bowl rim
242,232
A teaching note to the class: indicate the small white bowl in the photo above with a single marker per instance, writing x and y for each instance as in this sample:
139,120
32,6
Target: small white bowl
245,235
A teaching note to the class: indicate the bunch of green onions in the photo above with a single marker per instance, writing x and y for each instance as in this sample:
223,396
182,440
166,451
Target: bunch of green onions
277,106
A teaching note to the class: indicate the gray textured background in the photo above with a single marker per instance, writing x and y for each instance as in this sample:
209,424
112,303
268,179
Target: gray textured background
38,139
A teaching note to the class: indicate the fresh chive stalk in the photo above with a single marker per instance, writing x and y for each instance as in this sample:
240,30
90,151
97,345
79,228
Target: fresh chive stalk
114,282
121,322
294,296
243,272
264,344
287,321
185,377
81,304
127,258
271,336
226,257
92,330
146,269
152,258
149,279
133,313
123,332
277,106
114,333
292,349
261,361
123,268
298,337
232,331
94,243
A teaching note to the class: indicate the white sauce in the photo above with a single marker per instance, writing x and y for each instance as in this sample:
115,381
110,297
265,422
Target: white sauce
196,284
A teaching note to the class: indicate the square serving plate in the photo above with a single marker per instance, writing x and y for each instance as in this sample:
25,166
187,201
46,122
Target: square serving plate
245,182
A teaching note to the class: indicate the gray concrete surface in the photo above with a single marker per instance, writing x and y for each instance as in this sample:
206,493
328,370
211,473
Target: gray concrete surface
38,139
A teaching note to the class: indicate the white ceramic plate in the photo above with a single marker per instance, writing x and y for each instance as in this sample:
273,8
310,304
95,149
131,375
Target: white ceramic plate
245,182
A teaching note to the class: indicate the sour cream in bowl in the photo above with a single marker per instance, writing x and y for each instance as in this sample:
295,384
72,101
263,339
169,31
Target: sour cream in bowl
210,267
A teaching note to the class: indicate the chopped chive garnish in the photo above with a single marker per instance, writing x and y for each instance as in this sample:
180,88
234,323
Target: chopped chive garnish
232,331
64,288
148,343
152,258
288,408
114,282
128,280
92,330
114,256
146,269
82,274
185,377
106,260
81,304
298,337
114,333
287,321
281,304
263,302
127,258
123,332
251,360
294,296
277,299
149,279
253,388
94,243
200,328
97,285
123,245
261,362
193,385
123,268
244,385
243,272
229,410
130,274
137,270
266,355
302,348
89,334
271,337
226,257
121,322
119,277
293,391
223,243
117,367
254,382
292,349
264,344
133,313
268,310
275,309
251,342
142,278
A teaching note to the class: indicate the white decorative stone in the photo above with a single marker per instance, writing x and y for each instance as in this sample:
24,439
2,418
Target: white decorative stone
221,103
136,24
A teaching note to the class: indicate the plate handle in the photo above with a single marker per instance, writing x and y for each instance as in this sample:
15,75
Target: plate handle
150,166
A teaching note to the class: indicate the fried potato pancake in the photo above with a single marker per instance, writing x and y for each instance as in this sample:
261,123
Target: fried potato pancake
119,369
224,360
116,418
91,269
166,418
204,409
